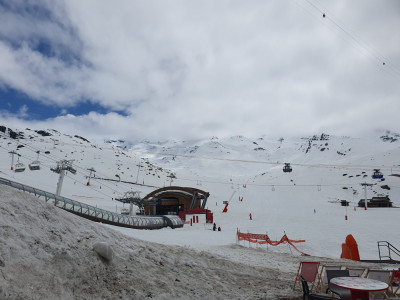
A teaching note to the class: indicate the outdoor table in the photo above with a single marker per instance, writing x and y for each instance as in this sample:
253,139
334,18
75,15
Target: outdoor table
359,287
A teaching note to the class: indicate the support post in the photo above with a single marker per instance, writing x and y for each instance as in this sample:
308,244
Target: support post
90,175
12,159
60,182
365,193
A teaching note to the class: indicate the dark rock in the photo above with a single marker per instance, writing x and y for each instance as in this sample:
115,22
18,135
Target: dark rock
43,133
82,138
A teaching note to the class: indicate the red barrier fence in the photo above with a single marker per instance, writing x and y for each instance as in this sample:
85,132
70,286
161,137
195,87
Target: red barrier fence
264,239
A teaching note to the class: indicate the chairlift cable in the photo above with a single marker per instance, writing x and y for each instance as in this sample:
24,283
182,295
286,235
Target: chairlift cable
55,159
380,58
363,167
329,166
48,166
212,182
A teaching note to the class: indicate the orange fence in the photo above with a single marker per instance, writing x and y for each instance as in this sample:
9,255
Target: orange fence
264,239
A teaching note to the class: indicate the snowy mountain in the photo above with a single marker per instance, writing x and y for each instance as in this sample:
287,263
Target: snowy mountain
304,203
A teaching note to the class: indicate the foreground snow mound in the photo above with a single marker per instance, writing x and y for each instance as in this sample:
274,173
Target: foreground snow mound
47,253
104,250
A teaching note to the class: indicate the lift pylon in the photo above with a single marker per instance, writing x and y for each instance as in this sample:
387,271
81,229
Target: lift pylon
12,159
131,197
90,175
62,166
365,194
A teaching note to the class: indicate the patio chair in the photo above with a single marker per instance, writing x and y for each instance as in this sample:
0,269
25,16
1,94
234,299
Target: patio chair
309,271
394,287
322,277
381,275
343,293
308,296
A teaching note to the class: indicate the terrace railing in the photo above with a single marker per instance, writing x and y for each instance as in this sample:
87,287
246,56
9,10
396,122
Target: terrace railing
390,250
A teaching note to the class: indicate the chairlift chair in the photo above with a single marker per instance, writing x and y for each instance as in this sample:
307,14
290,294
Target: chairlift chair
287,168
19,167
377,174
35,165
71,169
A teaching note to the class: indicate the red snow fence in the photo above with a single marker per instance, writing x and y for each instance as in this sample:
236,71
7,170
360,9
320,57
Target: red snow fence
264,239
350,249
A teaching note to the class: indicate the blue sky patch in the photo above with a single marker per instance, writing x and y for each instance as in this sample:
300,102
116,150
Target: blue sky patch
19,104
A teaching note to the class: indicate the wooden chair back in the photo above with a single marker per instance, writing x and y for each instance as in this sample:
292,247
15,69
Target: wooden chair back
309,271
357,272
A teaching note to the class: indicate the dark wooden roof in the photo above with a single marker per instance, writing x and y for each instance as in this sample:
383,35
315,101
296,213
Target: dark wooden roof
188,191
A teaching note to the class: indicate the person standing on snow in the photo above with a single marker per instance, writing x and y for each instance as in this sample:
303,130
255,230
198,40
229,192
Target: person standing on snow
214,227
251,218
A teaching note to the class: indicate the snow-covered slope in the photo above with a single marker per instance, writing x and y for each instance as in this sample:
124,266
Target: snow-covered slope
303,203
47,253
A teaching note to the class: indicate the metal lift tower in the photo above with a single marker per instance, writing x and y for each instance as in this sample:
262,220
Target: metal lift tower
131,197
365,185
62,166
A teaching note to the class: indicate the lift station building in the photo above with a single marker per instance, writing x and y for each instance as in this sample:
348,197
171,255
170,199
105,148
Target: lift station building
176,200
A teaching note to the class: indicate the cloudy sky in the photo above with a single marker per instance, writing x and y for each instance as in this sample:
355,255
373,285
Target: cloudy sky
181,69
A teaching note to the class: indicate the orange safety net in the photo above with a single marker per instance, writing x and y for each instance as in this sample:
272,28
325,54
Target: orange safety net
264,239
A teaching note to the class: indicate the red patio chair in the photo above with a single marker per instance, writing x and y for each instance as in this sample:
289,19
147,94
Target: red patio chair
381,275
309,271
394,287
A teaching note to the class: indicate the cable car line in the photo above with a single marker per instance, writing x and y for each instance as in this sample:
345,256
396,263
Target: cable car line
372,52
55,159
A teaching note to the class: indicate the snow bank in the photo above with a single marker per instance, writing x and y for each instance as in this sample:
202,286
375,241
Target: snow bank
47,253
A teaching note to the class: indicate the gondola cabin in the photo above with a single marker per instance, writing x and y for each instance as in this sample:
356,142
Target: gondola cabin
377,174
287,168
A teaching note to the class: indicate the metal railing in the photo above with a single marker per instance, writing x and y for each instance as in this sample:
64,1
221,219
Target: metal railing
390,250
91,212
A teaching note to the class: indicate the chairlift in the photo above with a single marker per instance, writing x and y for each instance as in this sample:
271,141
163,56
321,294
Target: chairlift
35,165
19,167
377,174
71,169
287,168
124,210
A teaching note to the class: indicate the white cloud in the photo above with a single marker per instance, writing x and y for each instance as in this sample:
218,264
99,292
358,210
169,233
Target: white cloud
23,111
181,69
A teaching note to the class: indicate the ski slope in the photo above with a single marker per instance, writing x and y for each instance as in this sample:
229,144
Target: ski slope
304,204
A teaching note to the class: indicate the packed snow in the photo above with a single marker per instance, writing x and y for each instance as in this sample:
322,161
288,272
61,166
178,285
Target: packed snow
51,251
